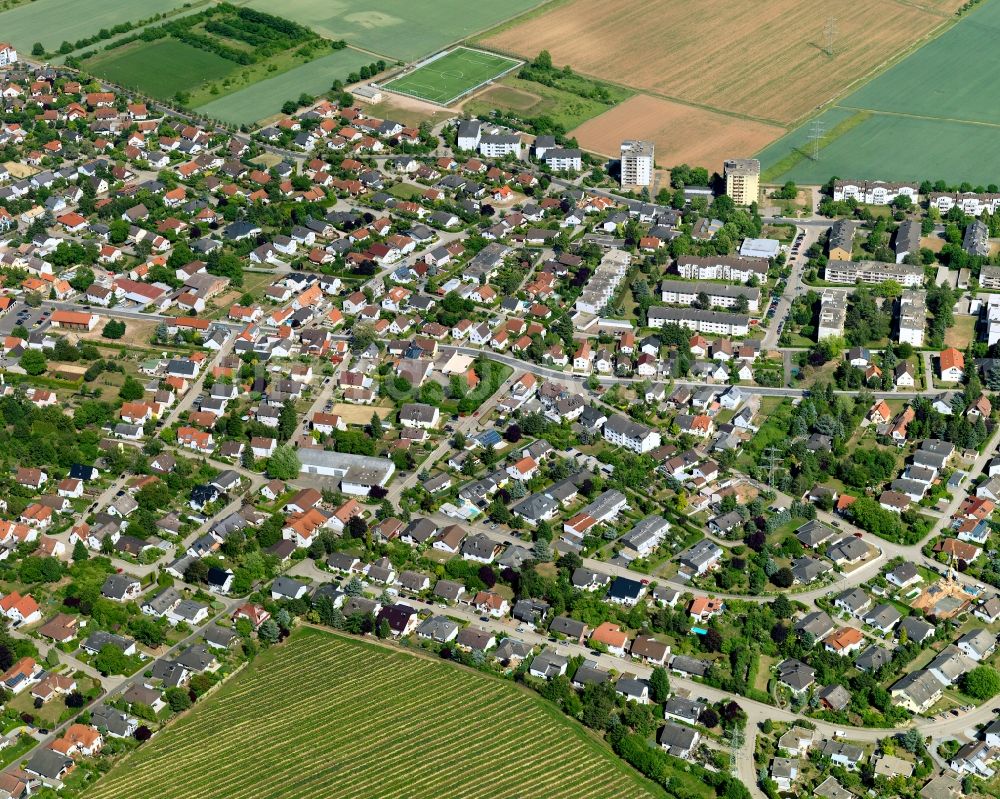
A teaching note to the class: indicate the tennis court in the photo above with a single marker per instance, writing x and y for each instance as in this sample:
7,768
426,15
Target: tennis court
449,76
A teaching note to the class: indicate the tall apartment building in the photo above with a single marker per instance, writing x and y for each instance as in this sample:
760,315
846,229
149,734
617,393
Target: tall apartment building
742,180
637,163
8,55
912,317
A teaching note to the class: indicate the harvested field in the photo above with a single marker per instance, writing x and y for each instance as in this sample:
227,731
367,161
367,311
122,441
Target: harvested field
682,133
765,60
403,29
329,716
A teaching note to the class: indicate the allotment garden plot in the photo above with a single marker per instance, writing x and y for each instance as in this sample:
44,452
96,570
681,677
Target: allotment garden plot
451,75
326,716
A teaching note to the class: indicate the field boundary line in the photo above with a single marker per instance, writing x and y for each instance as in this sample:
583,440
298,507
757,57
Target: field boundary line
796,155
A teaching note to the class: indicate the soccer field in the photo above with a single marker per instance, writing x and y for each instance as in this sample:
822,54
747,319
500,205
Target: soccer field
445,79
931,116
327,716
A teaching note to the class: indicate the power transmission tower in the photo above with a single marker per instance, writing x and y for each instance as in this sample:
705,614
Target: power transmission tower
831,35
773,456
816,134
735,745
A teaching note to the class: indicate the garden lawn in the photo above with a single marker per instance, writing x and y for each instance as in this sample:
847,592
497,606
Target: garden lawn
325,715
265,98
161,68
404,29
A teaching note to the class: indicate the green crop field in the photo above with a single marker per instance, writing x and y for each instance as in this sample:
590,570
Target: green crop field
265,98
161,68
325,716
52,22
403,29
932,115
453,75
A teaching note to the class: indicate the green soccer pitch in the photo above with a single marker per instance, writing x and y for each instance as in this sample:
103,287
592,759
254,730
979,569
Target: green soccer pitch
456,73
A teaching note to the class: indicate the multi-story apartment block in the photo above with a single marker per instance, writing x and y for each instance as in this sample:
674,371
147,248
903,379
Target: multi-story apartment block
912,317
968,202
626,433
874,272
636,163
832,315
604,282
563,160
722,267
682,292
874,192
717,322
743,180
498,145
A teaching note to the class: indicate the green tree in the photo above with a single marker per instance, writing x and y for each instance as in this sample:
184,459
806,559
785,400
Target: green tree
982,683
178,699
131,390
33,362
284,463
659,684
114,329
37,49
80,552
111,660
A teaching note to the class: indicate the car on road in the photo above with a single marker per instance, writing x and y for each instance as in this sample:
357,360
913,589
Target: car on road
484,618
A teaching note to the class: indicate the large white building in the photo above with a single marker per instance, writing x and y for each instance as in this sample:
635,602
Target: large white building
625,432
637,163
682,292
498,145
850,272
469,133
604,282
8,55
560,159
358,474
717,322
874,192
832,315
722,267
968,202
912,317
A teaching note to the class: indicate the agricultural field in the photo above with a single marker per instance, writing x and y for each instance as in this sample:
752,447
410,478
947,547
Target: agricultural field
452,75
914,121
54,21
769,61
682,133
161,68
322,715
265,98
403,29
526,99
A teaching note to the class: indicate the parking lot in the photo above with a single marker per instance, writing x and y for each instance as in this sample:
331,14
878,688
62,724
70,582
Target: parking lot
20,315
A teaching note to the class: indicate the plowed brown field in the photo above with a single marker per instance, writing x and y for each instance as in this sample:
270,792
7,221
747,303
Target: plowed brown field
682,133
763,58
